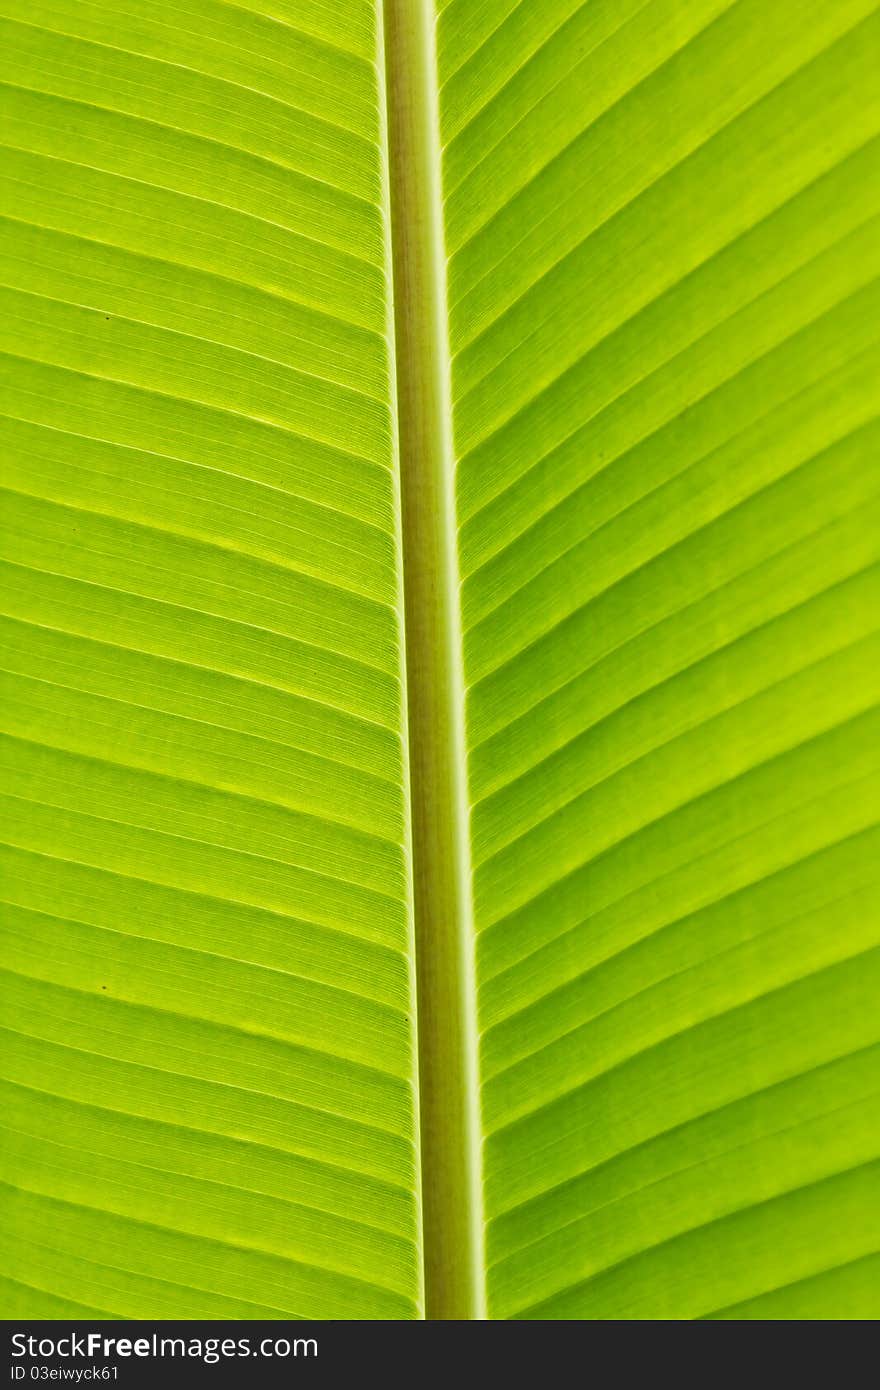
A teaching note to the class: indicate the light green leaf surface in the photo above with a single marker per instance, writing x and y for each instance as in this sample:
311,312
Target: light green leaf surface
649,410
662,226
209,1056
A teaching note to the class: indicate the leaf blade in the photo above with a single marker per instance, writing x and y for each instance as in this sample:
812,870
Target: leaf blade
207,998
662,249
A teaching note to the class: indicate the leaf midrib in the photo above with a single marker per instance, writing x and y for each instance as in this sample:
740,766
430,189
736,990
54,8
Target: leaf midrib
452,1211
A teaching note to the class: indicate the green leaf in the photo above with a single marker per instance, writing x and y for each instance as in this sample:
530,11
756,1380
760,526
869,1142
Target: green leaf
209,1055
441,544
662,227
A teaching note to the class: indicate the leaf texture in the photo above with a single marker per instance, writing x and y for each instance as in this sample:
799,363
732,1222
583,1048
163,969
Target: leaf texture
661,225
208,1059
661,221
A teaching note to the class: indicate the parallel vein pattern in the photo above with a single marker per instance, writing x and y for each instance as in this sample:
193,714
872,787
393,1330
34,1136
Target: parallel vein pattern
663,228
208,1103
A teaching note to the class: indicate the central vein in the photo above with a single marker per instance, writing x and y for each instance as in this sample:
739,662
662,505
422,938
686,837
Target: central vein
448,1080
